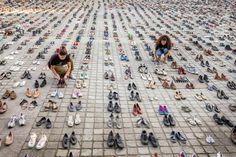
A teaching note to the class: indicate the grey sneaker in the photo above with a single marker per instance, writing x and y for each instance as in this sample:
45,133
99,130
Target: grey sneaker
71,76
117,122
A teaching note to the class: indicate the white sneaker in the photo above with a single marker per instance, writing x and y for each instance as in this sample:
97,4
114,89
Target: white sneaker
70,122
77,119
15,85
22,119
42,142
12,122
71,76
38,62
60,95
210,139
54,93
34,62
32,140
22,83
33,68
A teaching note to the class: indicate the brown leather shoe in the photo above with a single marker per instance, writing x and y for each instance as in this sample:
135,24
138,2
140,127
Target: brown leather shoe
165,85
177,96
28,93
9,139
6,94
223,77
217,77
172,86
191,86
13,95
3,107
233,135
174,65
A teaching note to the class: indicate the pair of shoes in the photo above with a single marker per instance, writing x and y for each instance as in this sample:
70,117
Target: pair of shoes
159,71
231,85
181,71
57,93
21,120
9,94
151,85
232,107
80,84
61,83
174,65
143,68
168,120
163,110
113,95
203,78
136,110
200,97
222,120
189,86
5,75
212,108
128,74
124,57
76,94
27,75
116,108
165,84
186,109
84,67
212,87
210,139
110,76
114,122
205,64
177,136
221,95
67,140
41,143
43,83
42,76
233,135
135,96
71,121
222,77
46,121
179,96
132,85
116,141
145,139
9,139
72,77
142,121
73,108
213,70
182,154
51,105
34,94
193,121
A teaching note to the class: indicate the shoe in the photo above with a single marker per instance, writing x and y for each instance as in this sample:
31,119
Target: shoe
110,96
21,119
118,141
6,94
48,124
117,108
12,122
71,107
217,119
173,137
144,138
172,86
182,154
41,121
180,137
152,139
205,78
200,79
28,93
137,97
171,120
36,84
166,121
110,107
36,93
12,95
71,154
227,121
77,119
65,141
233,135
129,86
44,82
219,94
117,122
9,139
210,140
73,138
132,97
110,140
70,121
224,95
115,95
135,110
32,141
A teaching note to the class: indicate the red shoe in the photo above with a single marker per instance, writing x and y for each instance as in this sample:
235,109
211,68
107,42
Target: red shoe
138,109
183,71
155,155
135,111
179,70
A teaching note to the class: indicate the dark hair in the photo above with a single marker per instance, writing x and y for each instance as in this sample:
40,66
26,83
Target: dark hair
165,38
63,51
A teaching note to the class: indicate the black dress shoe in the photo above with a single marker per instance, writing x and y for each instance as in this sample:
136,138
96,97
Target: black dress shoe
129,86
137,97
227,121
110,107
202,64
218,119
115,95
209,107
41,121
219,94
216,109
134,86
117,108
65,141
171,120
36,84
73,138
24,75
166,121
44,82
144,138
180,137
205,77
48,124
118,142
152,139
28,75
71,154
110,96
207,64
200,79
224,95
110,140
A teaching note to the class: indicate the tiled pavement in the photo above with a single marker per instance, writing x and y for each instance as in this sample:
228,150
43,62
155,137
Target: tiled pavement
93,130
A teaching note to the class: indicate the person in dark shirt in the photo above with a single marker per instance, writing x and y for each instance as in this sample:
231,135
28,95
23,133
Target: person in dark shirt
162,49
61,64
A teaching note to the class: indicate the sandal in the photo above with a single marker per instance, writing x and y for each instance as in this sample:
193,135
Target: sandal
177,96
186,109
232,107
191,121
2,75
24,104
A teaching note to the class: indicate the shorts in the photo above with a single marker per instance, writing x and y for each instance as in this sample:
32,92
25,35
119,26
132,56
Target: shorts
159,52
61,69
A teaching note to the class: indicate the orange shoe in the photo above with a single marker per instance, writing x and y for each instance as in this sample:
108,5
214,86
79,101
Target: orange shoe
28,93
36,93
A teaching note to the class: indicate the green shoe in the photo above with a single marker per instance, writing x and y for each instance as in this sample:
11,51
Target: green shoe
81,76
85,76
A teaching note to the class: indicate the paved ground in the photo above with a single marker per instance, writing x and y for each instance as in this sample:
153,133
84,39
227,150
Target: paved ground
93,130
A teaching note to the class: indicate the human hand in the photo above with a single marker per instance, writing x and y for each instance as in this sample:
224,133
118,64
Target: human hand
65,77
58,77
